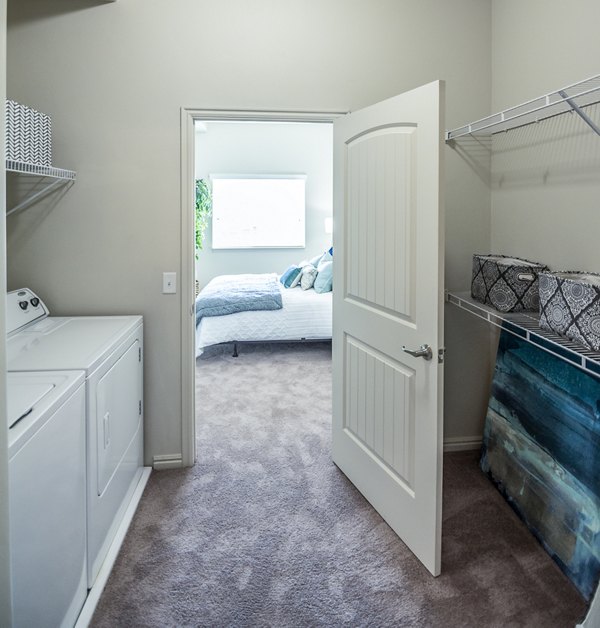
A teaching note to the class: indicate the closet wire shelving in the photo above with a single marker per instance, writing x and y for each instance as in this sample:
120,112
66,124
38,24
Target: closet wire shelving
55,177
525,325
573,98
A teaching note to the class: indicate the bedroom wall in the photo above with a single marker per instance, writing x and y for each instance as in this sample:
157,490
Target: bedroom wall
263,148
546,177
114,77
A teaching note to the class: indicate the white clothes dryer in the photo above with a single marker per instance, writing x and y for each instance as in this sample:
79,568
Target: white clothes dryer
109,349
47,495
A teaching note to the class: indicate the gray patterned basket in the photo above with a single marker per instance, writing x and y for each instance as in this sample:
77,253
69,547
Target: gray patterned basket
570,305
508,284
28,134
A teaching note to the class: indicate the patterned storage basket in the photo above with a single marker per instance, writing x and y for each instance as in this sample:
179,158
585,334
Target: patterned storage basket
570,305
28,134
508,284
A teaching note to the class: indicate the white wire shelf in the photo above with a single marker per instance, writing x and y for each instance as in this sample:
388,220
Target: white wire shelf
525,325
572,98
39,170
56,176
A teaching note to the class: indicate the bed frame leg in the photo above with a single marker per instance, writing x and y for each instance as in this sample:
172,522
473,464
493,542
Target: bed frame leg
235,351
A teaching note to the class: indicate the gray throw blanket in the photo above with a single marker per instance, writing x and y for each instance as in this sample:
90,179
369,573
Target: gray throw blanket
228,294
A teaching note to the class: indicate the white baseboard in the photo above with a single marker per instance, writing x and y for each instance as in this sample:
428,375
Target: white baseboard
461,443
85,617
167,461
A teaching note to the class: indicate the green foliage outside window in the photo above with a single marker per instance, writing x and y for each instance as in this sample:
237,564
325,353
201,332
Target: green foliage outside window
203,211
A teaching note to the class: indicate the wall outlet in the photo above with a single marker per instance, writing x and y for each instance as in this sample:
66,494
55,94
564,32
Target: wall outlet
169,283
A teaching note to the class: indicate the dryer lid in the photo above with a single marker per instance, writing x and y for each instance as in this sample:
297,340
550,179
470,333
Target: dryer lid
79,342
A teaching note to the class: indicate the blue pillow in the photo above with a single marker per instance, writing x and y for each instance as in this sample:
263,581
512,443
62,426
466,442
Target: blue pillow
330,251
324,280
289,275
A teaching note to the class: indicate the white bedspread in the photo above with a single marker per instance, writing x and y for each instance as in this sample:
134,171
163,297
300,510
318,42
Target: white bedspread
306,314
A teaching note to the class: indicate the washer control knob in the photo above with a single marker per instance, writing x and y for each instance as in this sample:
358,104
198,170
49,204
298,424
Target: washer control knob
35,301
23,305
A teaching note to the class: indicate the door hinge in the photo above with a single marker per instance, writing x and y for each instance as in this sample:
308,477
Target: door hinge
140,354
441,355
140,407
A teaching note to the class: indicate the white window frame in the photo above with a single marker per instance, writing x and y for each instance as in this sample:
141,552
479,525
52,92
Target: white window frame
297,240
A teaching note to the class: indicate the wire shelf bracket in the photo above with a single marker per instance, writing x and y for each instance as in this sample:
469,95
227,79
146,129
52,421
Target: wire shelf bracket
525,325
572,98
55,177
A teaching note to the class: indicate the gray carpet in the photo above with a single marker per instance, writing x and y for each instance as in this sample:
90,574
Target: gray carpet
266,531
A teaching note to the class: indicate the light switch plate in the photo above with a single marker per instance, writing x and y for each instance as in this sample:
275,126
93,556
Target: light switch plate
169,283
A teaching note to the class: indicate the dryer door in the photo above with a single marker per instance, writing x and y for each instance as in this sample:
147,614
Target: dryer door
118,413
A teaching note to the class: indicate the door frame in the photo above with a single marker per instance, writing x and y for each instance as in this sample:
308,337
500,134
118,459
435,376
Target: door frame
187,261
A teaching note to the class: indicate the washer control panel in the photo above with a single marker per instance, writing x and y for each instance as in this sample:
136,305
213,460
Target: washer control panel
22,308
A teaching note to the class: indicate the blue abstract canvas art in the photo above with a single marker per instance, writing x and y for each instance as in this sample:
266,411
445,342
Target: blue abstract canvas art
542,449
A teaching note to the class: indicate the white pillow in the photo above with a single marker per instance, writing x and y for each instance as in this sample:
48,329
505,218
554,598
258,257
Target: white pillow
309,274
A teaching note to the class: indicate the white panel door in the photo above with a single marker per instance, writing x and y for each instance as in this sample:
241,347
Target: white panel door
388,295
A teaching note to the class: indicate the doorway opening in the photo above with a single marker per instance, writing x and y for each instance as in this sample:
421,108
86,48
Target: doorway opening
255,148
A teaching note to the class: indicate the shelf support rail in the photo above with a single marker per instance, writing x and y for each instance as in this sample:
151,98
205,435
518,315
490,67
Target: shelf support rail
579,111
39,194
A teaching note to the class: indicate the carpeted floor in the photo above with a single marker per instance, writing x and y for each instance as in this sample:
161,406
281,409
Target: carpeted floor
266,531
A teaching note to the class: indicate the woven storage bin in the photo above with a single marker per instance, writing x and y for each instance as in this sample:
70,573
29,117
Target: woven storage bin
570,305
28,135
508,284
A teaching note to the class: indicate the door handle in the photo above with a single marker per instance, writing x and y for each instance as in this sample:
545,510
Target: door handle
106,421
424,351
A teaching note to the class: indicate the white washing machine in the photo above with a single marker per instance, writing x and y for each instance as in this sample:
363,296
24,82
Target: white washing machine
109,349
47,493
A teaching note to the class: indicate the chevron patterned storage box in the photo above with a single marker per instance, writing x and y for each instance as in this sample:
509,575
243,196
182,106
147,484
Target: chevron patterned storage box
28,135
508,284
570,306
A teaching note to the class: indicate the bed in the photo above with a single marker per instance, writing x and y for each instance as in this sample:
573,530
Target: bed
303,315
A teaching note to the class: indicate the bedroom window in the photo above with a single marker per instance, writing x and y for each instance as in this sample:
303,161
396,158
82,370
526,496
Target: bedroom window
258,211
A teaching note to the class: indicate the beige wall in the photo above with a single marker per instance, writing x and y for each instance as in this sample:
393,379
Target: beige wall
546,177
114,77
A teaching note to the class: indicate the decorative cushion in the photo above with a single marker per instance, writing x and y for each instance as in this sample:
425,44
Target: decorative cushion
309,274
289,275
315,260
296,281
326,257
324,280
